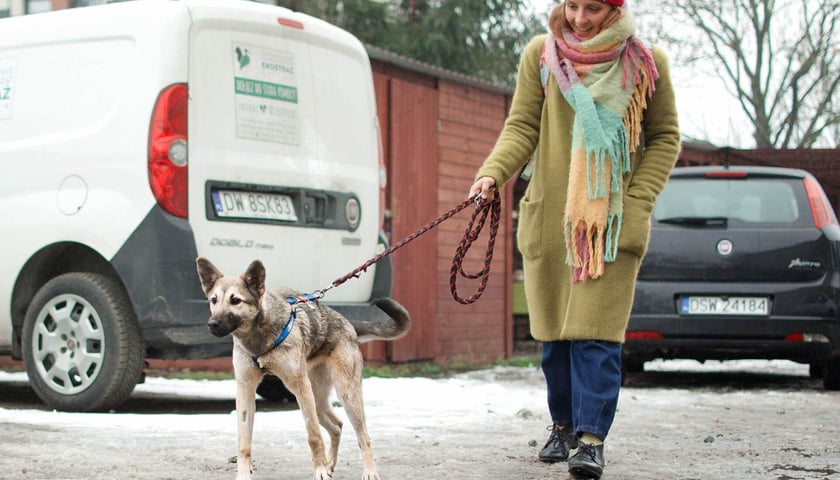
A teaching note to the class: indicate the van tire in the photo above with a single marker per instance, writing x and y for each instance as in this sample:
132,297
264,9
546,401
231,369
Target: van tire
82,346
272,389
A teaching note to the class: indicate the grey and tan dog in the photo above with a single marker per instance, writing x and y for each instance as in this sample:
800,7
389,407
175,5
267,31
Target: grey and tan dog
309,346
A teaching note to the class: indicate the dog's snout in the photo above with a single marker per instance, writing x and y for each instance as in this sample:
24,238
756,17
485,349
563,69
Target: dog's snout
221,325
214,325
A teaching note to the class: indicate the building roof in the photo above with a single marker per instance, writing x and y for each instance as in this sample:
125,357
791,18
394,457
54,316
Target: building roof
387,56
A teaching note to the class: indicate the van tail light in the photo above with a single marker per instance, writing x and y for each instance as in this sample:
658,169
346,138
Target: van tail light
643,335
821,209
383,178
168,150
288,22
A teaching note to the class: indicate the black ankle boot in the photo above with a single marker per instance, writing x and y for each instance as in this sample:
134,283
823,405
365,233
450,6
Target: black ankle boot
588,461
561,440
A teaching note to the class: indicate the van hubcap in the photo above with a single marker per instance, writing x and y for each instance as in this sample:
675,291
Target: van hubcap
68,344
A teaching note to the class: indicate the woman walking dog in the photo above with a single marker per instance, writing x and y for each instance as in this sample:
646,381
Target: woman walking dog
596,107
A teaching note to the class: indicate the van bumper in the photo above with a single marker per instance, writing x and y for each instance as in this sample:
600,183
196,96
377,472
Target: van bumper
157,267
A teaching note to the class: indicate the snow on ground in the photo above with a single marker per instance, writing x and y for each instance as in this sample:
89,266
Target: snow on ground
450,399
486,424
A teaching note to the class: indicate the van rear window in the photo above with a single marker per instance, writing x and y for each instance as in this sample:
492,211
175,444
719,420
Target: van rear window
752,202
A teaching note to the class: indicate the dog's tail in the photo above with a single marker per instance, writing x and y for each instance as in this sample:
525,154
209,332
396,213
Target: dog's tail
380,329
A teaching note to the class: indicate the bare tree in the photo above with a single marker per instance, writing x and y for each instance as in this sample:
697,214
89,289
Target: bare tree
778,58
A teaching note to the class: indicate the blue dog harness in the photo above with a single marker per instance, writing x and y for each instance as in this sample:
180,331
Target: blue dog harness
287,329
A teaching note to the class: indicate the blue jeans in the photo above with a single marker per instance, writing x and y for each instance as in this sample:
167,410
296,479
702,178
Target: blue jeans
583,379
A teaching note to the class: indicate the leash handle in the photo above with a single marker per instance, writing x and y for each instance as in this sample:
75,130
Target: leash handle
493,208
476,223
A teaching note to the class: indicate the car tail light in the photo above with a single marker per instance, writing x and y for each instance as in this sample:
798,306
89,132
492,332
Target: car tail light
726,174
820,207
643,335
168,150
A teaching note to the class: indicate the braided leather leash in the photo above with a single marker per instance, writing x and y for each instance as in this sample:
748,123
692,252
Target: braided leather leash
482,210
494,208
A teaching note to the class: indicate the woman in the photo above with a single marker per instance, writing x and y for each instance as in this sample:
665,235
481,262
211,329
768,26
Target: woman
598,107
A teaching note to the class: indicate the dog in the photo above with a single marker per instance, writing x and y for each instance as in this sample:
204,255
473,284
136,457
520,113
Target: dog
309,346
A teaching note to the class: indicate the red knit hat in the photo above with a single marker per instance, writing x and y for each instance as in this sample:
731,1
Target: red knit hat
617,3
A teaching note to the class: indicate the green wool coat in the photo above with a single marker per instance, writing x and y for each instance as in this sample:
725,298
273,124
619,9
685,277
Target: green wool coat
594,309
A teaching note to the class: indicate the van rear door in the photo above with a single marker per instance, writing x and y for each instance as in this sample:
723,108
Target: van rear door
283,147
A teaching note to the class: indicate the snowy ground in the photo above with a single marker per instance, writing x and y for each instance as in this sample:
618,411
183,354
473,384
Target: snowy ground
678,420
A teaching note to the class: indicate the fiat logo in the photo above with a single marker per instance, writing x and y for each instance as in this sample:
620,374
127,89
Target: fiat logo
725,247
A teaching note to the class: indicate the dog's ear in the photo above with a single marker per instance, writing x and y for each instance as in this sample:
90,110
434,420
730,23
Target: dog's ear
207,273
254,278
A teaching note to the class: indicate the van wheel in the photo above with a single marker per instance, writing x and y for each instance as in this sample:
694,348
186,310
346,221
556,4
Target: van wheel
831,376
272,389
81,344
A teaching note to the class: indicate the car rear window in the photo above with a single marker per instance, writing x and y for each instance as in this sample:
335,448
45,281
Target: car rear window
751,202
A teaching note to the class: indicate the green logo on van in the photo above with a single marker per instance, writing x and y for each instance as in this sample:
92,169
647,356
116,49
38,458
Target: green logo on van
242,57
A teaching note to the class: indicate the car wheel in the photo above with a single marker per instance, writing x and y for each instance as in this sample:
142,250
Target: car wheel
272,389
831,377
816,370
81,344
630,366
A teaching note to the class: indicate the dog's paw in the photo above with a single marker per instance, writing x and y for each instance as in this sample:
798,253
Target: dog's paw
322,473
243,472
370,475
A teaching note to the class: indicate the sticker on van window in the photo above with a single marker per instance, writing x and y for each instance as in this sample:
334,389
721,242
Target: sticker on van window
7,87
266,94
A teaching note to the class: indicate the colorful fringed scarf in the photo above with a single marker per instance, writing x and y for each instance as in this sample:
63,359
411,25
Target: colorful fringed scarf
607,81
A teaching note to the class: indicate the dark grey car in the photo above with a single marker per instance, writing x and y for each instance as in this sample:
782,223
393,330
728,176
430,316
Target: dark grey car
744,262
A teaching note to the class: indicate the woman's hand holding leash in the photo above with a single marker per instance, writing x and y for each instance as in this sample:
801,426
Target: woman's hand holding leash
483,189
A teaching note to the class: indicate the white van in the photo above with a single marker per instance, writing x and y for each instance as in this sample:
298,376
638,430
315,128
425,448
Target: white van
137,136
